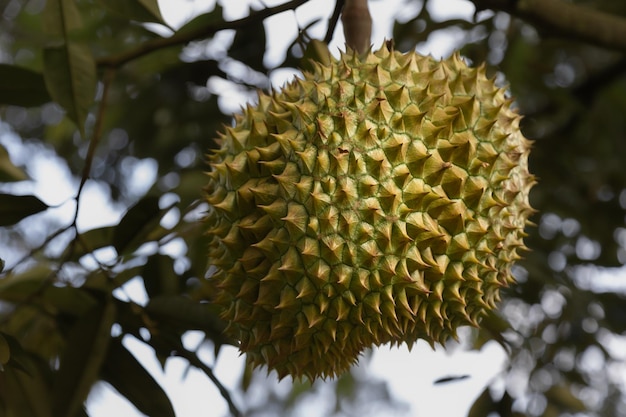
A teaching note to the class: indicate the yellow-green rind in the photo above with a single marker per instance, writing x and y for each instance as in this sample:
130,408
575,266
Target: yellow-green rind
379,199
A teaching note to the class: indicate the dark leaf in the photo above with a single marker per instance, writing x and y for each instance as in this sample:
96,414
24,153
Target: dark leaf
22,87
185,314
561,396
131,380
24,394
69,67
136,223
88,242
5,351
19,359
82,358
70,75
8,171
483,405
159,277
140,10
202,22
14,208
249,46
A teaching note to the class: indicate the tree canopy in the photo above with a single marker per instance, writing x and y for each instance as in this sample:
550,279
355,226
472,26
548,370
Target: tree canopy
106,91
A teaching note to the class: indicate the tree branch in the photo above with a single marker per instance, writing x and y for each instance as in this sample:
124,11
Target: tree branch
585,24
185,37
193,359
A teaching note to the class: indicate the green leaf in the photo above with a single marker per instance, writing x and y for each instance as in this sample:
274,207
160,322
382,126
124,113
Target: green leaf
14,208
131,380
19,359
70,74
8,171
17,287
81,360
1,265
249,46
22,87
136,224
35,286
201,22
23,394
483,405
69,67
90,240
159,277
139,10
68,300
5,351
561,396
102,281
185,313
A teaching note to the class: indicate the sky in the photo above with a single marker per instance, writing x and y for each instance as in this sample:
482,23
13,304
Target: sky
410,375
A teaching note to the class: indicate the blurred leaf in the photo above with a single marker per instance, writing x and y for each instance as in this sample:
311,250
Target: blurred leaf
140,10
23,394
14,208
1,265
249,46
35,285
18,358
185,314
108,281
483,405
69,68
131,380
16,287
159,277
22,87
5,351
202,21
136,224
562,397
89,241
81,360
492,327
68,300
8,171
70,75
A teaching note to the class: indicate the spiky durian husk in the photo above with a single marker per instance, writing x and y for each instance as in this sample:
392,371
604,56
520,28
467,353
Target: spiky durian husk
379,199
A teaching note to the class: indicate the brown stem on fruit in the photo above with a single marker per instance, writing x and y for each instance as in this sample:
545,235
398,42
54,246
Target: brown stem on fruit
357,25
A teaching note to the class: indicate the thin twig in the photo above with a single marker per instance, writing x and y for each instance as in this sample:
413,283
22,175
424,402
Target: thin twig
332,23
95,138
182,38
193,359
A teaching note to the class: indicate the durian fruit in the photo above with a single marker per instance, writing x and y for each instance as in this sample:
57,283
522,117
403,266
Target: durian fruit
380,199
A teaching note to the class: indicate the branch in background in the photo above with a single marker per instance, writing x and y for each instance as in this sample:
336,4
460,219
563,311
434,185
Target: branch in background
582,23
332,23
193,359
116,61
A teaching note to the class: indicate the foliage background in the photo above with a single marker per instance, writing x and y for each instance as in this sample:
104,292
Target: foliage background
88,85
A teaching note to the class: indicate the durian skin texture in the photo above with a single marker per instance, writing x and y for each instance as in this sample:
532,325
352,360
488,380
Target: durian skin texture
379,199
